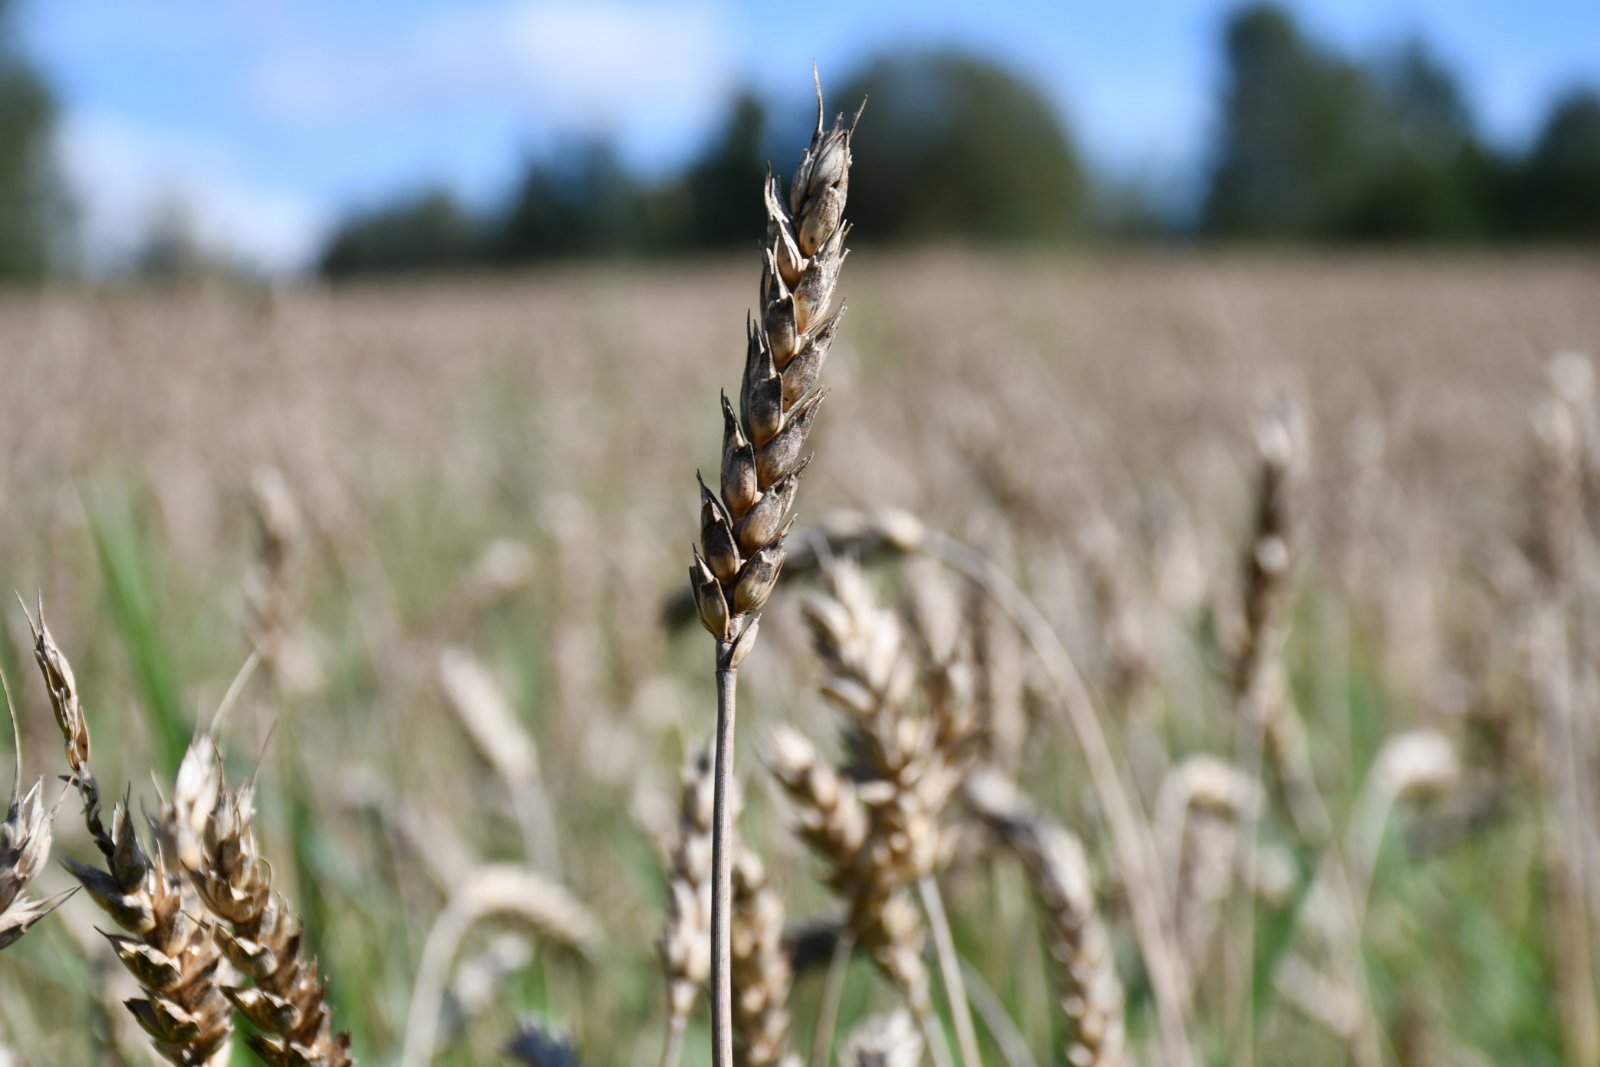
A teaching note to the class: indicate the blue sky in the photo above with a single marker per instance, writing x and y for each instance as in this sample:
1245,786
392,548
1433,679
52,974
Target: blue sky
267,118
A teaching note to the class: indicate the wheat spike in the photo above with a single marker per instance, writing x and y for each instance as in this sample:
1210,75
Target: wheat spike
686,941
1091,992
907,767
833,821
172,955
742,526
761,971
263,940
24,846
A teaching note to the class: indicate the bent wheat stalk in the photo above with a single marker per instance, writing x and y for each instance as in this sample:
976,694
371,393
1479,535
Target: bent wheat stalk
742,531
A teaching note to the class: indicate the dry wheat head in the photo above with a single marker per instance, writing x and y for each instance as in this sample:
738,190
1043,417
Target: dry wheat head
742,531
171,954
262,939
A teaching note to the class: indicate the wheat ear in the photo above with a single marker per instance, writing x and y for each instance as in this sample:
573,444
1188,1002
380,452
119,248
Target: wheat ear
24,846
834,821
170,953
288,1003
761,970
686,941
1091,992
742,532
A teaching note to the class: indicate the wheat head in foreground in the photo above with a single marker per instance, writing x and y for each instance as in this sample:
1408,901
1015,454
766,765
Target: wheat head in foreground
170,952
742,531
24,847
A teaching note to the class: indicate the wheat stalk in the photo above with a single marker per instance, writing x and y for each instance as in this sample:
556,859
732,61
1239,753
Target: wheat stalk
742,531
492,889
170,953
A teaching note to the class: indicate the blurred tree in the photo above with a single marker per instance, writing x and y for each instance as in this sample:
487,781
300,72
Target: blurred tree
579,202
1302,133
960,147
1434,179
1555,193
723,186
33,212
425,233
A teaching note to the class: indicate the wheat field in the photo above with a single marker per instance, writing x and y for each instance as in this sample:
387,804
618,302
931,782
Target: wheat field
444,524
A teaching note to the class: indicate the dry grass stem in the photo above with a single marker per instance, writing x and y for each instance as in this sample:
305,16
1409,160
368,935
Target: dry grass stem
492,890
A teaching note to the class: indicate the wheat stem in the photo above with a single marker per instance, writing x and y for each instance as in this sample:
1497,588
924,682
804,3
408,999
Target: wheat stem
832,995
955,989
722,864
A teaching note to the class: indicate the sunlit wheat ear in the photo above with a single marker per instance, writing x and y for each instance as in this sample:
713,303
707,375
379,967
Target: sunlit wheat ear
170,953
761,971
884,1041
262,938
24,848
1075,936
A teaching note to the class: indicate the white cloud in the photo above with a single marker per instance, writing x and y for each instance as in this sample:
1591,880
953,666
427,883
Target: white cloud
124,174
608,65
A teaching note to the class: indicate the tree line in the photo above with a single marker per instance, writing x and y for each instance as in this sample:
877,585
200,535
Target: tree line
1309,145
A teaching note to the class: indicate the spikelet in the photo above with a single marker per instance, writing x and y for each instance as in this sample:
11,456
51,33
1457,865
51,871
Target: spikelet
1091,992
172,955
743,524
263,940
884,1041
24,848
